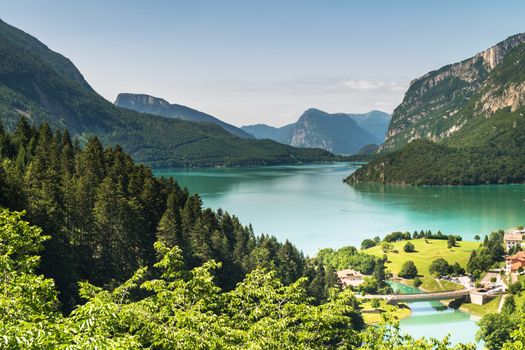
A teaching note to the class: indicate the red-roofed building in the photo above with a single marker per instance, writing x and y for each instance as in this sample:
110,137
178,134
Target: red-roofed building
514,262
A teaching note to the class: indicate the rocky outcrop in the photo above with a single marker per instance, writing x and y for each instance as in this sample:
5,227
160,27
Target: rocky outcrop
513,96
430,107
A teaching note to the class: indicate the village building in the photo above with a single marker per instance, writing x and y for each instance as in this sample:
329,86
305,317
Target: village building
513,239
513,263
350,277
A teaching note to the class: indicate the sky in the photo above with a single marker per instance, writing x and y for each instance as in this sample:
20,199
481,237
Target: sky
250,62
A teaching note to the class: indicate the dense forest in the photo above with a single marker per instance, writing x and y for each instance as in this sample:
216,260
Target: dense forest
103,214
112,257
427,163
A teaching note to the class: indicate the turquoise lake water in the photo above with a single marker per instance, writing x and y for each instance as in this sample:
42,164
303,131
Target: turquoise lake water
433,319
311,206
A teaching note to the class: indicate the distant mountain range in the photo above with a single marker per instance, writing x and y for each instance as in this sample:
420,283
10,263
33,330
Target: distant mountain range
338,133
44,86
461,124
158,106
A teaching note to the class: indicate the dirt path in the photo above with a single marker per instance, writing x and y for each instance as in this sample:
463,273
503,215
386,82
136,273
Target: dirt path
501,302
440,285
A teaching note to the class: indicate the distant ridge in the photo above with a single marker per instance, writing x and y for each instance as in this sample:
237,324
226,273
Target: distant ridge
154,105
45,87
339,133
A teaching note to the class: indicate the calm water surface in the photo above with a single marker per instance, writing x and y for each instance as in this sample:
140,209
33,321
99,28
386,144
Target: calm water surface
313,208
432,319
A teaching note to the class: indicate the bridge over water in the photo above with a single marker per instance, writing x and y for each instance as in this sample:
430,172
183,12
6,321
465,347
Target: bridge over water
454,294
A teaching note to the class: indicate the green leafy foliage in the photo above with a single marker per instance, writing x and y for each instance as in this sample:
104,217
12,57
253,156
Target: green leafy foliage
408,270
169,307
489,253
439,267
103,213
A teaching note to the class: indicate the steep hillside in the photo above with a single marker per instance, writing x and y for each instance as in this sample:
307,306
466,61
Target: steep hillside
478,123
45,87
338,133
158,106
440,103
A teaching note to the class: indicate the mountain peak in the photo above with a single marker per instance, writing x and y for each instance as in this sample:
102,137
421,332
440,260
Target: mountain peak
432,104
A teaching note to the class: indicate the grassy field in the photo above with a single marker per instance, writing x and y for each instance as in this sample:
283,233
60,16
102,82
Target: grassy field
430,284
480,310
425,253
373,318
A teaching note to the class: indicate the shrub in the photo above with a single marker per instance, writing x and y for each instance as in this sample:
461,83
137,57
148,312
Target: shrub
386,247
408,270
417,282
439,267
368,243
409,247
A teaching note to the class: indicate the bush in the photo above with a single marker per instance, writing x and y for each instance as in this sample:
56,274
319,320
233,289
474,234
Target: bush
417,282
368,243
408,270
409,247
451,241
457,270
386,247
515,288
439,267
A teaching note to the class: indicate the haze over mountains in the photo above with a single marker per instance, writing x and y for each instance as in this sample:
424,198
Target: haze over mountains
158,106
44,86
461,124
338,133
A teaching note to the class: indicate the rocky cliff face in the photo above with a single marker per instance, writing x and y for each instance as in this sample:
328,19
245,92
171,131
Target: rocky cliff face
435,105
140,102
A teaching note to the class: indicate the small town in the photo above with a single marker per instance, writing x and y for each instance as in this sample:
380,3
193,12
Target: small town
488,292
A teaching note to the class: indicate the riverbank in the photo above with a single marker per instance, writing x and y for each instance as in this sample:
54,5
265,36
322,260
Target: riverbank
372,315
435,285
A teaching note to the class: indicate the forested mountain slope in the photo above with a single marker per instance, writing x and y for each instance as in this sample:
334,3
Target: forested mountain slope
475,110
453,98
158,106
45,87
104,213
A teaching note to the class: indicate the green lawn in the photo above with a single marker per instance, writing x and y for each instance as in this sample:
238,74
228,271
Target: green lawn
425,253
430,284
480,310
398,312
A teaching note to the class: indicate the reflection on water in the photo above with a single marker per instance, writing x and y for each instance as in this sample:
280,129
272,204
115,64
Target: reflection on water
311,206
431,319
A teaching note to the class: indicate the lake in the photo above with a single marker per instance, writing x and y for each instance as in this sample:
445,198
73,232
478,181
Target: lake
311,206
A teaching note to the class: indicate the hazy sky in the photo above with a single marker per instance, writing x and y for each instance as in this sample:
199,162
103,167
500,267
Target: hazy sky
265,61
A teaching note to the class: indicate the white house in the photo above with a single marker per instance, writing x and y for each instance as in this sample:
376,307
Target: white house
514,238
